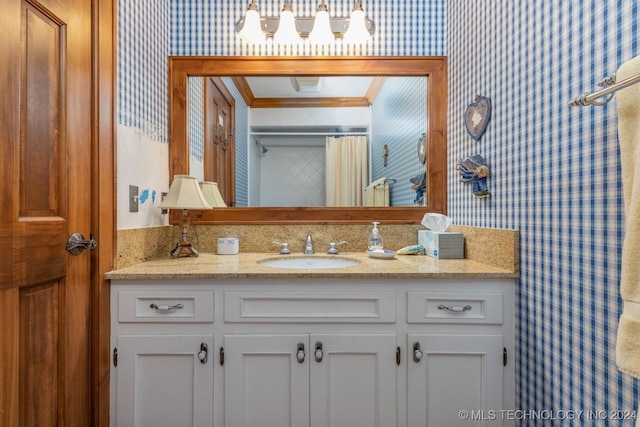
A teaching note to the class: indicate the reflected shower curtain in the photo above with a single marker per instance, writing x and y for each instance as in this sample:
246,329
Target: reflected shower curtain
347,170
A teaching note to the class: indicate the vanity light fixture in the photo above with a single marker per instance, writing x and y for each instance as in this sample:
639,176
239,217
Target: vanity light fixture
320,29
184,194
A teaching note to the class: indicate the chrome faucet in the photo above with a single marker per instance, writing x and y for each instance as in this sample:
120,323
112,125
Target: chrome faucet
308,246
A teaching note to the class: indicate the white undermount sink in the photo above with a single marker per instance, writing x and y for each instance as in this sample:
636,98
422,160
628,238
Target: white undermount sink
309,262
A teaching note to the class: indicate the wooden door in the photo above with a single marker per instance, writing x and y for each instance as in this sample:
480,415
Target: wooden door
354,383
264,383
45,186
219,138
457,372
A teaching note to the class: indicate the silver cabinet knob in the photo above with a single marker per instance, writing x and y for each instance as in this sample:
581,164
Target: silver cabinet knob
319,354
300,355
417,353
203,354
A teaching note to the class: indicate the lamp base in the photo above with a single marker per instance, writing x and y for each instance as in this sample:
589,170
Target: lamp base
183,249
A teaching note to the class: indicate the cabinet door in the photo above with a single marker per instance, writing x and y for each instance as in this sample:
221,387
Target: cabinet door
354,384
162,382
264,383
456,373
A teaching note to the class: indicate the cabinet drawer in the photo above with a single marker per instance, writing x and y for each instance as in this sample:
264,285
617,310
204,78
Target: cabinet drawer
451,307
150,306
286,306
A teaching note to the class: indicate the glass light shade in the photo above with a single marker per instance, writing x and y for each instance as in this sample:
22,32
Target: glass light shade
321,32
212,194
286,33
185,193
251,31
357,32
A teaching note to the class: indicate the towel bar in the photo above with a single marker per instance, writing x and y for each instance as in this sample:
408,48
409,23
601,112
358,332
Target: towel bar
585,100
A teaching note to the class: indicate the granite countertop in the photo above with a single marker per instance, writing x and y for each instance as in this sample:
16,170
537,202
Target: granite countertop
246,265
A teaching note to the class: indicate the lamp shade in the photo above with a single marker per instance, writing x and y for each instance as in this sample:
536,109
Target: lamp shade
357,32
287,32
212,194
185,193
321,32
251,31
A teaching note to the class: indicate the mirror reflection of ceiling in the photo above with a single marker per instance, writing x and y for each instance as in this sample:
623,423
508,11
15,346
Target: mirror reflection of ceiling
311,87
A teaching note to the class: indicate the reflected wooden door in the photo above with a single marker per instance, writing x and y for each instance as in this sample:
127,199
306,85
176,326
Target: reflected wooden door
45,187
219,146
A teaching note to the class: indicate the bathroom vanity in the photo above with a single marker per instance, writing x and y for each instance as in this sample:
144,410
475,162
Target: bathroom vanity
227,341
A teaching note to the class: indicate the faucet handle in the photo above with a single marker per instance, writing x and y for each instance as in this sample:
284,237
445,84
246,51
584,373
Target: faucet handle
333,247
284,247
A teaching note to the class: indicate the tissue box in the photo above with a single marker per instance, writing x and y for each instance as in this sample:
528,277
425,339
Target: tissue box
442,244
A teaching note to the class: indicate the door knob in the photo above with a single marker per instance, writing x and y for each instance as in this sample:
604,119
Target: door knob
76,243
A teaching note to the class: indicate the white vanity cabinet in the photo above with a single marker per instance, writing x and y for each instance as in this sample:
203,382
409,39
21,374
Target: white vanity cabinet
463,365
310,380
161,372
312,352
325,356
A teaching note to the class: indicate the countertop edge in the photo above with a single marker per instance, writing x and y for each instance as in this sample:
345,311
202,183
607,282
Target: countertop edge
246,266
310,275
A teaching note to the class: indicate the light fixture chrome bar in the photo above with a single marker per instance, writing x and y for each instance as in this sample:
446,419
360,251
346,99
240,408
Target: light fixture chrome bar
592,99
304,25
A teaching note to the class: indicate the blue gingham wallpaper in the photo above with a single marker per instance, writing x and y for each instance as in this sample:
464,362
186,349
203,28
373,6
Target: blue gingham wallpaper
143,46
206,27
555,176
242,148
195,117
554,169
398,120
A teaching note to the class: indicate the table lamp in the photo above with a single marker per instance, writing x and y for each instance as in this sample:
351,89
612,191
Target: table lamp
184,194
212,194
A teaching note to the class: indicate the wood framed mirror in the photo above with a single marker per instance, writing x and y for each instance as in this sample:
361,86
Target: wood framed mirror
435,68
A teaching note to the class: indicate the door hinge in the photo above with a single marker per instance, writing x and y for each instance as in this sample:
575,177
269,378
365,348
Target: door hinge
115,357
221,356
504,356
398,355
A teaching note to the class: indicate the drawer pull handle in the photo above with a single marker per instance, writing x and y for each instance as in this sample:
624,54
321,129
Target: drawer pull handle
165,308
454,309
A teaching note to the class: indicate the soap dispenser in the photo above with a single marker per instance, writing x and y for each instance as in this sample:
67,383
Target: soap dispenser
375,239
